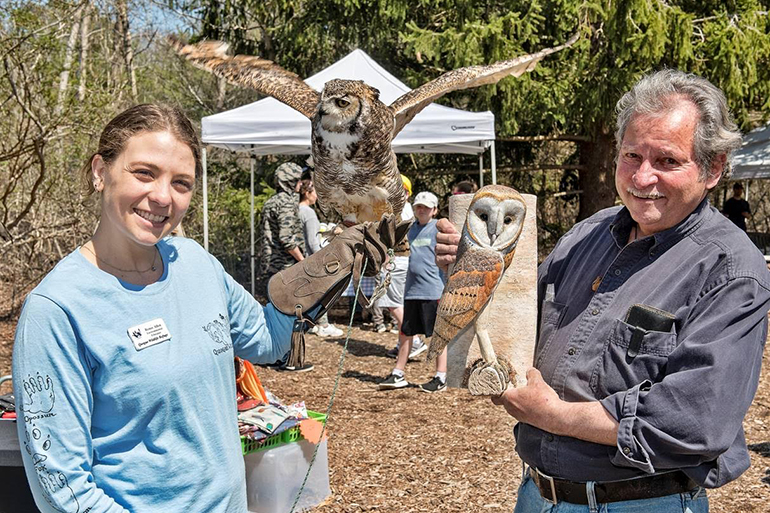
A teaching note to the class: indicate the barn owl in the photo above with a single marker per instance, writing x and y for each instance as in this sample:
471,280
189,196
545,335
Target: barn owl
355,171
487,245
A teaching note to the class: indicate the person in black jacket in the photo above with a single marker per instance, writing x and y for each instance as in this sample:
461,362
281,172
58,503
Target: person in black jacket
736,208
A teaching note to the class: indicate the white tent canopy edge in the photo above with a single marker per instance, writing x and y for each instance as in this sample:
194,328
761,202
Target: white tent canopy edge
269,127
752,160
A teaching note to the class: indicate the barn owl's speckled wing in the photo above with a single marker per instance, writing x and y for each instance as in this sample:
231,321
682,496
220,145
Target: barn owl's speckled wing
468,289
409,105
260,74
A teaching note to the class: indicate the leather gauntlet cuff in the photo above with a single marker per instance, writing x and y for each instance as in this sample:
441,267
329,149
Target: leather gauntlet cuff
321,278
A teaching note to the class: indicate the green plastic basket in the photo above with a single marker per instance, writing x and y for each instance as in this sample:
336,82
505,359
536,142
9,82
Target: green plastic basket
289,436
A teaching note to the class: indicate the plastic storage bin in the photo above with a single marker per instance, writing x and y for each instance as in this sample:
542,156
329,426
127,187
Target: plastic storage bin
274,477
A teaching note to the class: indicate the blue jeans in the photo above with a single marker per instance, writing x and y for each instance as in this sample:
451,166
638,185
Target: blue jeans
529,500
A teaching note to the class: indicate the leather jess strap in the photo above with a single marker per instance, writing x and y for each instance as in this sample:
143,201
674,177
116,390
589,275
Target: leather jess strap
556,490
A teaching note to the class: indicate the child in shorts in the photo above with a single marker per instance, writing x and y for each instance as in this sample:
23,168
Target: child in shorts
422,292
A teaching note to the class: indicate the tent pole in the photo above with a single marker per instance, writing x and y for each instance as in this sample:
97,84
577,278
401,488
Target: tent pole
494,164
481,169
205,201
251,222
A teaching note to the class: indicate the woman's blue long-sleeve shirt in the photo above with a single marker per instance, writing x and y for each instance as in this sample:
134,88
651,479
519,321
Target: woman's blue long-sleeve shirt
107,427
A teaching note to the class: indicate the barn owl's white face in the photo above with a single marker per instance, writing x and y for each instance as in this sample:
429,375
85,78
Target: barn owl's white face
495,222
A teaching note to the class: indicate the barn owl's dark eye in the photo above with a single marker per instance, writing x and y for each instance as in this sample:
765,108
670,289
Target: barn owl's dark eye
507,220
484,217
341,103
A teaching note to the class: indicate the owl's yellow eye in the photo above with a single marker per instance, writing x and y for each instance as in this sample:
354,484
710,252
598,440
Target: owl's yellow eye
507,220
341,103
484,217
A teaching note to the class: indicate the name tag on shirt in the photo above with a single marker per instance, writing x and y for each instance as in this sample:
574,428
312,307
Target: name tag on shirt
149,334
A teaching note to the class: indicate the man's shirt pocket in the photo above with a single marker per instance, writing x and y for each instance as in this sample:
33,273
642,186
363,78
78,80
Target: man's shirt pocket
616,370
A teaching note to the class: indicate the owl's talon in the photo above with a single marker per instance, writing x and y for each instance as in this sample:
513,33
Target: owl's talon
489,380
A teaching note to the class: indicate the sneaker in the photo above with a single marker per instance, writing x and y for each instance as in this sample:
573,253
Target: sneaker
394,330
307,366
393,353
380,328
418,347
393,382
313,330
330,330
434,385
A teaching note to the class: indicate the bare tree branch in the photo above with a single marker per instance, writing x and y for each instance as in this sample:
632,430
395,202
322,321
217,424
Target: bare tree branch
84,46
14,89
33,193
69,56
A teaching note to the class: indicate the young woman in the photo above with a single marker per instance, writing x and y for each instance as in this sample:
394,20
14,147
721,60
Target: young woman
311,227
123,358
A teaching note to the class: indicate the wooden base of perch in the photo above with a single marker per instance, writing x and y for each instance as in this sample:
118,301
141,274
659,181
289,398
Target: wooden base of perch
489,380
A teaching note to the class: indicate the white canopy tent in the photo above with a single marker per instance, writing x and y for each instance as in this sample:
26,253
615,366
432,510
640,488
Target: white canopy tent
752,160
269,127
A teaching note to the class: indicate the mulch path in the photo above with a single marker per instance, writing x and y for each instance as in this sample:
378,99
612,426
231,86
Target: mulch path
409,451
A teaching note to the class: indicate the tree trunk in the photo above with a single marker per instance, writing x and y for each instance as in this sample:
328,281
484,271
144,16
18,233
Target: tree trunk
221,93
64,76
597,178
127,47
84,46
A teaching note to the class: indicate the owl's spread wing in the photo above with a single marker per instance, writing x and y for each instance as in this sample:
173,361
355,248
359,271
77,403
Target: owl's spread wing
260,74
468,289
409,105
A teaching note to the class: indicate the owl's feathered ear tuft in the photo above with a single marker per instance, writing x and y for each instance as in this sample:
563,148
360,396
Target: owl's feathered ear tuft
375,92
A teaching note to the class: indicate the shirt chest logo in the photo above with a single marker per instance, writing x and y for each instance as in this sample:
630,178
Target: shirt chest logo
219,331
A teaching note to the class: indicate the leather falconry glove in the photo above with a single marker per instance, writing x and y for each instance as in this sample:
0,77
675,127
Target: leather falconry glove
321,278
309,288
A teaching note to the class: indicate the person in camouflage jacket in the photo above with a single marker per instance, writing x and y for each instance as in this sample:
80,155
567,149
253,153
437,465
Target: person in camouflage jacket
281,241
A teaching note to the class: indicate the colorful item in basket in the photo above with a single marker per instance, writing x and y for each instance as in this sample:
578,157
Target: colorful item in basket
248,404
311,430
266,417
254,433
247,380
297,410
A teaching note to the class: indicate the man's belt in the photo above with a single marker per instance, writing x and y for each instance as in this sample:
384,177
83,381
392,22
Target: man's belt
556,490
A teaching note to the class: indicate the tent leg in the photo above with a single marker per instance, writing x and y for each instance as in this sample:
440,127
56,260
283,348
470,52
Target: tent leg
494,164
205,201
481,170
251,224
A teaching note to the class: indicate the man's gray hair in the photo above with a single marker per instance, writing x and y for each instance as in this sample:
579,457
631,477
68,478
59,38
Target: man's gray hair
715,133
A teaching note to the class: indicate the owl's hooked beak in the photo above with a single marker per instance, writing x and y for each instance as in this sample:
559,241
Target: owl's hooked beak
493,228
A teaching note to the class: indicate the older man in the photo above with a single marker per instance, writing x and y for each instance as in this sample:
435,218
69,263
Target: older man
653,318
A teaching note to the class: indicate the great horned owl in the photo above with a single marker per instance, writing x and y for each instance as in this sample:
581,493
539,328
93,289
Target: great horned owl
355,168
487,245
